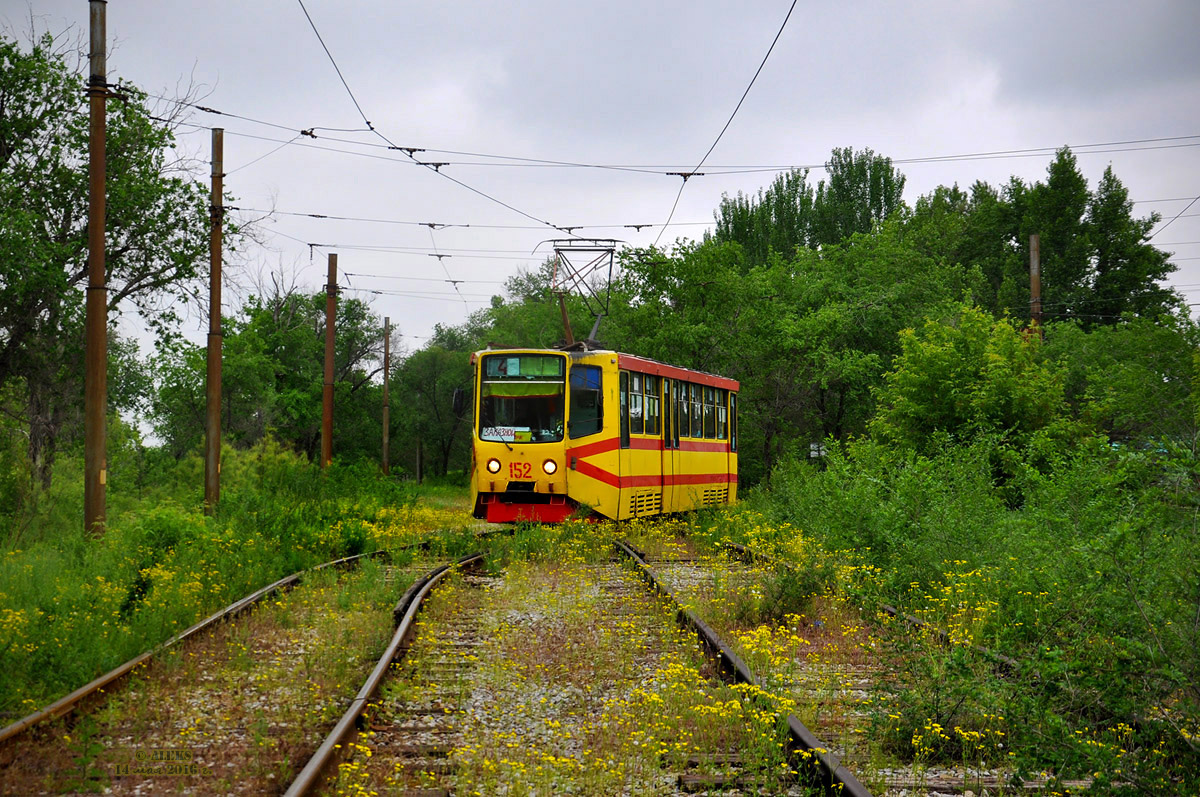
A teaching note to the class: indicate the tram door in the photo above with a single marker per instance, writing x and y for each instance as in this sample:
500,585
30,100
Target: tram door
624,455
670,443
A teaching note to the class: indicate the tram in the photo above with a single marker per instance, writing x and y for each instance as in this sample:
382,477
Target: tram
560,431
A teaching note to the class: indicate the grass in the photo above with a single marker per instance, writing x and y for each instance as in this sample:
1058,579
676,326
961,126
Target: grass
248,702
72,607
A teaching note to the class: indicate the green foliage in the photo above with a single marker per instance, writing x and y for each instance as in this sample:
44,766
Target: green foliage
1132,380
965,377
779,220
156,230
1089,582
807,338
863,189
1096,259
424,395
1056,210
75,606
1126,267
785,591
273,377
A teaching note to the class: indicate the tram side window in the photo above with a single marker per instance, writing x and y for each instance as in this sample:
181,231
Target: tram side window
637,419
682,424
697,411
587,406
710,413
653,392
733,421
624,410
722,414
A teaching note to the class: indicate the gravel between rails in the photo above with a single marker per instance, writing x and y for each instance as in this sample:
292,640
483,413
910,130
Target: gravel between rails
561,679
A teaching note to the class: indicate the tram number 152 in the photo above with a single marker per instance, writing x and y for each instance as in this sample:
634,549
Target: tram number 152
520,470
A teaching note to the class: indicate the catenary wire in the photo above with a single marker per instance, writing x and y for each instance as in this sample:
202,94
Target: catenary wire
1176,216
420,279
410,153
684,176
1079,149
439,225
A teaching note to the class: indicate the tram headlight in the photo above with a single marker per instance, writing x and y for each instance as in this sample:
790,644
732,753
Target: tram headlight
493,465
550,466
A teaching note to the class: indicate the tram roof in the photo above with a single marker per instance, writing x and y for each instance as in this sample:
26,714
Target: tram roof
630,362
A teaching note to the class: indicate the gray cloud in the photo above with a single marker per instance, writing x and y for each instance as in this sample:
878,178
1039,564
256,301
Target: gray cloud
636,82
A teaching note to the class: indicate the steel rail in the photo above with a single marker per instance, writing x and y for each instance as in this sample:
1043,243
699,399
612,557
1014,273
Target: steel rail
835,778
404,615
65,705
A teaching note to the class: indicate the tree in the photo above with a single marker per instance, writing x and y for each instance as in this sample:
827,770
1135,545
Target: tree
779,220
425,384
1056,211
863,189
1131,380
978,234
965,376
274,376
807,335
157,222
1096,258
1127,268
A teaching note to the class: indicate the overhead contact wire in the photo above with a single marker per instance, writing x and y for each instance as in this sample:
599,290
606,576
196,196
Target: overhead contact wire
746,93
1176,216
410,152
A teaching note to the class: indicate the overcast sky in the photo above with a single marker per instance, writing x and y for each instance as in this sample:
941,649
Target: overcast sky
640,84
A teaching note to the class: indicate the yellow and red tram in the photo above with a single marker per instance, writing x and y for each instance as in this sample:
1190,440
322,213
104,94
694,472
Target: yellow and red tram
623,436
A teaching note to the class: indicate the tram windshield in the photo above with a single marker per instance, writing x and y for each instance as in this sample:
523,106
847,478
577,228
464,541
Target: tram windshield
521,398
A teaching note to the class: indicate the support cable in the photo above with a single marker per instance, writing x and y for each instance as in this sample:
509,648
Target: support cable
686,175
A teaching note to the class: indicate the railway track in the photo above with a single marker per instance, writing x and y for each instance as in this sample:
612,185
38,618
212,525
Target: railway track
222,707
835,669
551,677
827,760
337,746
559,678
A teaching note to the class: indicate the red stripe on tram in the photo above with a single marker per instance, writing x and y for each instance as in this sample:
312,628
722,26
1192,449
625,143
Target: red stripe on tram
654,480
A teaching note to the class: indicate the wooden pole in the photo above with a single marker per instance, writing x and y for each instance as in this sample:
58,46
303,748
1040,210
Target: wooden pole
212,439
95,431
387,367
327,403
1035,280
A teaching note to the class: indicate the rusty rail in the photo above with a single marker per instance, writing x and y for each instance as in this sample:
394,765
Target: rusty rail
834,777
404,615
70,702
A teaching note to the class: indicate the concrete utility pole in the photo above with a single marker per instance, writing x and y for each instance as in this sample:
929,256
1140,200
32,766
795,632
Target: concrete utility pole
327,403
95,431
212,439
1035,279
387,367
